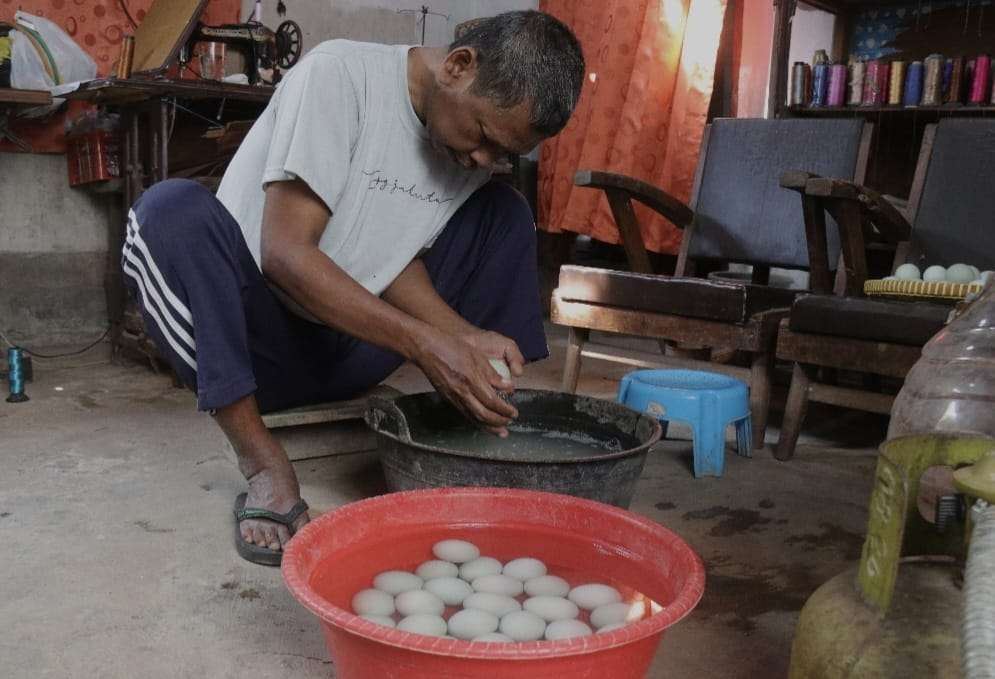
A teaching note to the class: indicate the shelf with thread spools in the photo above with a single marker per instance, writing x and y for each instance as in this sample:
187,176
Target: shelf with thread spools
945,109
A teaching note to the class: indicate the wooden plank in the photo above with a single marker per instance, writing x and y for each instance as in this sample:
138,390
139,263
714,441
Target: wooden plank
646,359
334,411
166,26
110,91
777,101
692,297
856,399
24,97
922,168
879,358
659,326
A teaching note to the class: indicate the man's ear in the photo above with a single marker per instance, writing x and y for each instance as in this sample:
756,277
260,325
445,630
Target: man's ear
459,67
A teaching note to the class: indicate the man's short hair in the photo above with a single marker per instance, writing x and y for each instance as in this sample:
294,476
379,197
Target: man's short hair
527,56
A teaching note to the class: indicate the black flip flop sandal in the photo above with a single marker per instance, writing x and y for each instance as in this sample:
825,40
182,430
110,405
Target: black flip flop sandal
255,553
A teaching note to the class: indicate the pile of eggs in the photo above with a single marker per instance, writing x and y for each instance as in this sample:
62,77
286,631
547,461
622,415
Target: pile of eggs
955,273
513,602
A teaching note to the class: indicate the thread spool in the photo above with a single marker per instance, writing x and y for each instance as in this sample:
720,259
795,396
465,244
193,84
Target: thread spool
15,375
872,82
956,84
857,69
979,81
837,85
800,78
820,84
126,58
932,82
913,84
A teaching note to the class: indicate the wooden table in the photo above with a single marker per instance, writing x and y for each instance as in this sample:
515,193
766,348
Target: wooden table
12,99
148,109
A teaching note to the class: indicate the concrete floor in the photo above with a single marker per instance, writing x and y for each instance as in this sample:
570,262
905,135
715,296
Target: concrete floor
115,499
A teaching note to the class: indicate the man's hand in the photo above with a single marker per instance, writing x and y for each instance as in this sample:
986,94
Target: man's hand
459,369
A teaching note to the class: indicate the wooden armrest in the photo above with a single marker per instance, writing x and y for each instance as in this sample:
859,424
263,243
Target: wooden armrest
888,220
647,194
796,180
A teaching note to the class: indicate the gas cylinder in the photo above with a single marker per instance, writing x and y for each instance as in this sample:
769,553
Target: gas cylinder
896,615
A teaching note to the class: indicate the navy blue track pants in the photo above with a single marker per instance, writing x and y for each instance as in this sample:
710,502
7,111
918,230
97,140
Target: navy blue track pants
225,333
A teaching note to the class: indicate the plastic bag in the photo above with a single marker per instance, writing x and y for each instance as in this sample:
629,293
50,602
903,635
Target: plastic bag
27,68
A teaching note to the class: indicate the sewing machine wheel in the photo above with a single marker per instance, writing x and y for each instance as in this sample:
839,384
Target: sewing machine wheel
289,44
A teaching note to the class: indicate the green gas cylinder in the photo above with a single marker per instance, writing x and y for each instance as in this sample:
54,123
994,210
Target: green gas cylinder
897,614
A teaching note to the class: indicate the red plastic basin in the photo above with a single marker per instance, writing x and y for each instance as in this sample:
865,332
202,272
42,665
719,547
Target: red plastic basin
338,554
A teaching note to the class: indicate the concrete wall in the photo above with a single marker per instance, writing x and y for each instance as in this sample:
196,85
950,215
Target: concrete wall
53,253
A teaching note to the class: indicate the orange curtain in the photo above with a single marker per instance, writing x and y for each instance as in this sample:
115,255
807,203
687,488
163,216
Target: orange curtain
650,71
98,27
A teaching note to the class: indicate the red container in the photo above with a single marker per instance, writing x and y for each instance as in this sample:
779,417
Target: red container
338,554
92,157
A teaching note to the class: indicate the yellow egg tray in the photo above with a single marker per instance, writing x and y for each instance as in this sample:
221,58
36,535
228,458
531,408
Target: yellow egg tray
922,289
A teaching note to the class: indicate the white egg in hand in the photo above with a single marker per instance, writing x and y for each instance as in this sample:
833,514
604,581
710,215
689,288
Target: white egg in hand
612,614
451,590
498,604
499,584
501,368
380,620
934,274
547,585
470,623
907,272
429,625
523,626
455,551
567,629
592,595
524,569
395,582
437,568
480,567
551,608
372,602
419,601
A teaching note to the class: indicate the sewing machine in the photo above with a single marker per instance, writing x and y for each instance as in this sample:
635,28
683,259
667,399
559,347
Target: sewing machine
260,47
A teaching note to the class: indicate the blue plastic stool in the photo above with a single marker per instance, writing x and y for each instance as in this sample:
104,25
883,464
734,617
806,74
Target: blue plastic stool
708,402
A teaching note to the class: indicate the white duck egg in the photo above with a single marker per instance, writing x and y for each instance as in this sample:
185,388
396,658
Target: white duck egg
524,569
471,622
395,582
501,368
380,620
567,629
592,595
372,602
976,270
437,569
455,551
419,601
499,584
961,273
495,636
907,272
934,274
421,623
498,604
480,567
612,614
523,626
451,590
611,628
547,585
551,608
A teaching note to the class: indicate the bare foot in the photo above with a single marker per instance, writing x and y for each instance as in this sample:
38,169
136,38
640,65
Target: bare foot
276,490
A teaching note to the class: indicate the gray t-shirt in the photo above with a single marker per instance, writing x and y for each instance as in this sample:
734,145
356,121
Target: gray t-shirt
342,121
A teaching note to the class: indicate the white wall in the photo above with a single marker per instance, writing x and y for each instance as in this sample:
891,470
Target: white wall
811,30
379,20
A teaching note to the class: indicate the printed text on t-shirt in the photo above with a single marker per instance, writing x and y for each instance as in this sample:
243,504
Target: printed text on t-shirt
392,185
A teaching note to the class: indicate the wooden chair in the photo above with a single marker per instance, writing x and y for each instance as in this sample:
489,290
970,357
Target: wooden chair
952,215
738,213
